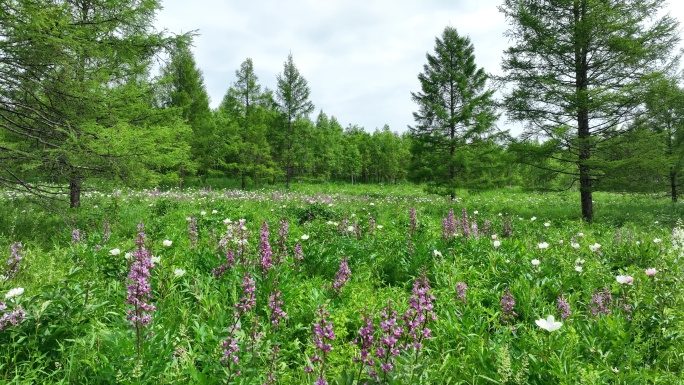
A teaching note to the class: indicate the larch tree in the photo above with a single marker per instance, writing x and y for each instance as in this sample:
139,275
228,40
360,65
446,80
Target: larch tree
456,113
292,96
575,72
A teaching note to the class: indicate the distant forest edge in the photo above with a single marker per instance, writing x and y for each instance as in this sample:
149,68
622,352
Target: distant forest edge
597,85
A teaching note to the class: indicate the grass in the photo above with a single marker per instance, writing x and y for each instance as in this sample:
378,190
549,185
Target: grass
76,331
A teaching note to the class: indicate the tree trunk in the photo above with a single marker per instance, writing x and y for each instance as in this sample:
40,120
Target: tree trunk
673,184
288,171
583,131
75,192
243,180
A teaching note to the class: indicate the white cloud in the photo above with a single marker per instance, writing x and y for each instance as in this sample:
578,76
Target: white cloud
361,58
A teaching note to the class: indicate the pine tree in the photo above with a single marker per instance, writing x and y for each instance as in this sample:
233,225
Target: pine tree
455,112
292,95
576,71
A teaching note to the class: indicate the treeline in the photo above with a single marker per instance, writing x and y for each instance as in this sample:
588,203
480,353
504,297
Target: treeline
597,86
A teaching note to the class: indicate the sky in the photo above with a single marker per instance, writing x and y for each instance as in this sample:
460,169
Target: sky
361,58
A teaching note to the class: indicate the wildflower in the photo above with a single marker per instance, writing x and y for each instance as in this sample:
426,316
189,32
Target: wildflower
265,250
533,219
350,229
461,288
139,288
494,237
549,324
167,243
305,237
543,245
114,252
507,304
17,291
226,221
547,224
203,213
437,253
155,259
276,306
214,211
578,268
12,266
601,301
324,332
378,226
560,241
651,272
581,235
497,243
128,256
579,261
535,262
595,247
179,272
341,277
574,245
475,212
624,279
420,312
564,307
657,240
13,317
76,236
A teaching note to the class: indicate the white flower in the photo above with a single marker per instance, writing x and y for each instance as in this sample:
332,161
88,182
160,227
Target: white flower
353,215
638,243
114,252
560,241
329,205
657,240
580,235
214,211
17,291
651,271
579,261
167,243
533,219
203,213
155,259
595,247
494,236
305,237
615,370
578,268
128,256
624,279
475,212
535,262
335,224
547,224
549,324
179,272
350,228
543,245
508,261
497,243
574,245
372,204
226,221
379,226
437,253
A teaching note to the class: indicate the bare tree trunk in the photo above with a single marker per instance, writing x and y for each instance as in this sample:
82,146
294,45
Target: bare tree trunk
75,192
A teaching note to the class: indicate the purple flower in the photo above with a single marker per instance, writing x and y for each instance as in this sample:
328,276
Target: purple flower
76,236
564,307
413,221
461,288
140,315
192,232
601,302
323,334
341,277
449,226
275,304
420,312
265,252
12,318
12,266
507,305
248,300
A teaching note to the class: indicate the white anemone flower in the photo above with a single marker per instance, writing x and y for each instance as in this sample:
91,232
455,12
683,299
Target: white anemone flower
167,243
17,291
497,243
305,237
595,247
624,279
543,245
549,324
179,272
535,262
114,252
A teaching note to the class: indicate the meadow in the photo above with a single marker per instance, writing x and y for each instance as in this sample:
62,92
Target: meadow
342,285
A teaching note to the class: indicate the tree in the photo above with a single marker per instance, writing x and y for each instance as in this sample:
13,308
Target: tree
292,95
248,108
455,110
576,71
184,89
75,101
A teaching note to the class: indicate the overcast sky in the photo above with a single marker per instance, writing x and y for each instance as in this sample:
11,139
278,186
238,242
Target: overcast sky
361,58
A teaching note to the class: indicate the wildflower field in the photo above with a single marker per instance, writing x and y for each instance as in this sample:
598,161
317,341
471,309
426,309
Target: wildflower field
354,285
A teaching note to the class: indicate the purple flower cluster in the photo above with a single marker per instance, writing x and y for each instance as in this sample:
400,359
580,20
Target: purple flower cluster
449,226
298,254
248,300
139,287
231,348
564,307
192,232
601,302
464,223
461,288
265,252
365,344
413,221
13,317
323,334
341,277
507,305
276,306
14,261
420,312
76,236
230,262
371,225
389,342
